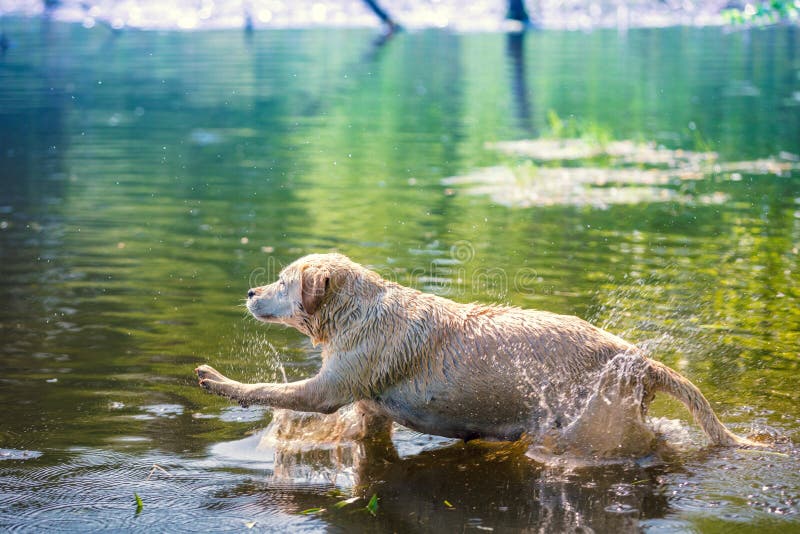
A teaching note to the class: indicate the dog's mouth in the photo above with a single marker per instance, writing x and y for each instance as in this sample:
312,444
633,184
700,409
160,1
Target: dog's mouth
266,317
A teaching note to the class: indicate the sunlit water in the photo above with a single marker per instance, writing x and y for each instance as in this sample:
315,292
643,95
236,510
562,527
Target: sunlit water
148,179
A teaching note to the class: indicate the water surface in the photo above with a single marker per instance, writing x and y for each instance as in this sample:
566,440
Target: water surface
148,179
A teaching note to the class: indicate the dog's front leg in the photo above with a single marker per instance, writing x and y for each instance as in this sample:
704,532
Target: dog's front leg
215,382
317,394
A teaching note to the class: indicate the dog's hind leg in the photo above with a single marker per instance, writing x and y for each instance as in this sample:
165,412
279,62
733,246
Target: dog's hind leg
611,423
373,424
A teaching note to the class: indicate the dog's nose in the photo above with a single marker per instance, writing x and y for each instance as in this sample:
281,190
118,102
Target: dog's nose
251,294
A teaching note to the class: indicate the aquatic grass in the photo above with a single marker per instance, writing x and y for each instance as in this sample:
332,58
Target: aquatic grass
372,505
342,504
574,128
763,14
335,493
580,164
699,140
139,503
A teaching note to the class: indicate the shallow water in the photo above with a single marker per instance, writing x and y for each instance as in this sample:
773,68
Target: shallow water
148,179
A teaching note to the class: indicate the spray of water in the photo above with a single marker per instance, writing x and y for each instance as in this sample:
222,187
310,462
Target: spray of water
668,318
258,357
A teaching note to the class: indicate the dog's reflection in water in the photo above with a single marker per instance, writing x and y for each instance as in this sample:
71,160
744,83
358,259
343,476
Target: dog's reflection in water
490,484
326,447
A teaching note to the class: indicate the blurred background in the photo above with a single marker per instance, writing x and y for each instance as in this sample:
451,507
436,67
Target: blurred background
634,163
454,14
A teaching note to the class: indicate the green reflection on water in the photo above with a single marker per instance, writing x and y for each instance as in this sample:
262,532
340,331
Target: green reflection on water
148,179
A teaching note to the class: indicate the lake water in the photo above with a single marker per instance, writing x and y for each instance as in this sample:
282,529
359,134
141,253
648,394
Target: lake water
149,178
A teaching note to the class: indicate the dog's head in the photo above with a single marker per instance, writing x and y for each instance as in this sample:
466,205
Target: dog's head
303,287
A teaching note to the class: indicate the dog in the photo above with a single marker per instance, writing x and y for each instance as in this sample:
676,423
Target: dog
467,371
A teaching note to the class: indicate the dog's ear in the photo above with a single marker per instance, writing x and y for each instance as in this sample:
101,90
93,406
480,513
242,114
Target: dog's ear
314,285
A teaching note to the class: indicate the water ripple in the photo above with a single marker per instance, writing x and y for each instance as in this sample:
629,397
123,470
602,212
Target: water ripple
93,490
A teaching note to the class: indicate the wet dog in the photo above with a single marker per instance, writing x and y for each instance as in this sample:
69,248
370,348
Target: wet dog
460,370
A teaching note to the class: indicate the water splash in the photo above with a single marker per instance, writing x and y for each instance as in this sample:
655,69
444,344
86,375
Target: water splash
253,349
297,446
599,421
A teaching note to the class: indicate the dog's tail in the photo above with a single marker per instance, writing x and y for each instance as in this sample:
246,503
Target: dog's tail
665,379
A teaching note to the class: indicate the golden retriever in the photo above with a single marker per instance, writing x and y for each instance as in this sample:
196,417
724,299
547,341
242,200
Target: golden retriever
461,370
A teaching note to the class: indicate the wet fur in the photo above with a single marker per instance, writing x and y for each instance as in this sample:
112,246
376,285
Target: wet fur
461,370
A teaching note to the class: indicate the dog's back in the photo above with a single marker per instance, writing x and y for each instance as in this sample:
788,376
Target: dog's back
474,371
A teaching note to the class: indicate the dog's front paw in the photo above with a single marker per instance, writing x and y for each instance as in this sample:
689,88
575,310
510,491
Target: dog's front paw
208,372
213,381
